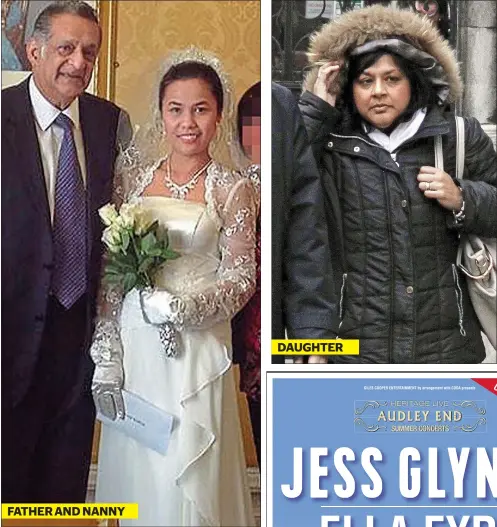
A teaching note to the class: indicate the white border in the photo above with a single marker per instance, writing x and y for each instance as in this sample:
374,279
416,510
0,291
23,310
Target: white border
367,369
267,482
266,220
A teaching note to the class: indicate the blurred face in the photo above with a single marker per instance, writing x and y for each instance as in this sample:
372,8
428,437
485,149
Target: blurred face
382,92
62,66
251,138
190,115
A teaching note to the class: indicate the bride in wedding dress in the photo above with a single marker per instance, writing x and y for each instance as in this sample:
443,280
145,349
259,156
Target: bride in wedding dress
210,213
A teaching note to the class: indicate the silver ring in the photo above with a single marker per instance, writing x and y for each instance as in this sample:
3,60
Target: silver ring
428,185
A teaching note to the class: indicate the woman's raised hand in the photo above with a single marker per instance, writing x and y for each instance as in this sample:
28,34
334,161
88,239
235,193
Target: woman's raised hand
326,85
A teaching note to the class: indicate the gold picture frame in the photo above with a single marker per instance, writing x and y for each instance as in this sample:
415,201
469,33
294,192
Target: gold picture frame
105,68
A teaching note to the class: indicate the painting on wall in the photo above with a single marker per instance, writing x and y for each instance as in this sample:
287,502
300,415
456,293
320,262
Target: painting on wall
18,18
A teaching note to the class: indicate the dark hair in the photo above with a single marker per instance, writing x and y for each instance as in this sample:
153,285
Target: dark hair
43,23
422,92
193,70
249,106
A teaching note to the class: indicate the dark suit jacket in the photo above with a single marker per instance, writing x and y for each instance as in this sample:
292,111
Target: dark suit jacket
27,252
303,299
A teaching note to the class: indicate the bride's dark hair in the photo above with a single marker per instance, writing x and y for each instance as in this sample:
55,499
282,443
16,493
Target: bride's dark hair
193,70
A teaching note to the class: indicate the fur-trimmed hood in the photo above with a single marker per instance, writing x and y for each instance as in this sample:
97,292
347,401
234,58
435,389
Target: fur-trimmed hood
336,39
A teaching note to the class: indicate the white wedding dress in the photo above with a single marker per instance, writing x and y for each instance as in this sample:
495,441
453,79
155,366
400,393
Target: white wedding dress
201,480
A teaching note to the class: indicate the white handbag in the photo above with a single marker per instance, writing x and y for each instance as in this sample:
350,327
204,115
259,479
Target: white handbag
476,256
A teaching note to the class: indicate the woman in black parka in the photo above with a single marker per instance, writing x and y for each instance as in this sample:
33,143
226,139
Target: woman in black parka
374,99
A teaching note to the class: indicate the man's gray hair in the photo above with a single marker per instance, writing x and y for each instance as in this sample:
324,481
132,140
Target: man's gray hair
43,23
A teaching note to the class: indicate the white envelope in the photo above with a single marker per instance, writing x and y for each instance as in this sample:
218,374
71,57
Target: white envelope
144,422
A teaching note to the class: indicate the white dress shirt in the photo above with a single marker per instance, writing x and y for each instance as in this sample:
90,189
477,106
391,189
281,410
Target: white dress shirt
50,138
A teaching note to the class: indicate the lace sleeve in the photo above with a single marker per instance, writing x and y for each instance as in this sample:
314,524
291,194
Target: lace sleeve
129,181
105,350
238,207
110,297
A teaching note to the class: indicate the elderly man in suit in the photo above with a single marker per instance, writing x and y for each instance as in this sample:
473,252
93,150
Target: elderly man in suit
303,300
59,146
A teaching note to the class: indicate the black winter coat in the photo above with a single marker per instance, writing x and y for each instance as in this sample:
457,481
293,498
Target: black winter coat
402,294
303,300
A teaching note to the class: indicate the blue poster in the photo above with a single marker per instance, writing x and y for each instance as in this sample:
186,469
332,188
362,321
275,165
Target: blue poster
383,452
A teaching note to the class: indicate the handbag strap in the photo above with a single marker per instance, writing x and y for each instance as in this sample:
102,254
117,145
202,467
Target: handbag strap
439,153
459,147
460,152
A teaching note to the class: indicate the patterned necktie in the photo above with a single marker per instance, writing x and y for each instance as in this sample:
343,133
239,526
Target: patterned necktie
69,278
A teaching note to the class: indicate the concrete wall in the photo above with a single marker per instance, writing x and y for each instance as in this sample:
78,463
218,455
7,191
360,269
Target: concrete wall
477,34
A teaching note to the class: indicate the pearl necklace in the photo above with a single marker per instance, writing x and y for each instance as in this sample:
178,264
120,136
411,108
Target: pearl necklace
181,191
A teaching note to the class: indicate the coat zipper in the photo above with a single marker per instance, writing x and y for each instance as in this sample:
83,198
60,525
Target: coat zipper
357,137
392,284
428,132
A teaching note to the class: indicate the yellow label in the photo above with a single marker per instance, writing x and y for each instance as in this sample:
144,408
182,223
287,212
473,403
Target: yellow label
314,347
98,511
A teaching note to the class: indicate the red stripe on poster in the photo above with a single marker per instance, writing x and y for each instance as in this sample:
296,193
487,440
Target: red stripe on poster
489,384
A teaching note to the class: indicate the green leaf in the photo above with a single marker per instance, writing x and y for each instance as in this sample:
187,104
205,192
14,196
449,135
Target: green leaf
162,237
126,262
141,282
115,268
148,243
119,258
129,282
165,242
154,251
112,271
146,264
112,279
152,227
169,254
125,240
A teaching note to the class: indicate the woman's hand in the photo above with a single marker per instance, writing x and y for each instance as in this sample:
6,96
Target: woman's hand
437,184
326,85
313,359
160,306
106,352
318,359
108,400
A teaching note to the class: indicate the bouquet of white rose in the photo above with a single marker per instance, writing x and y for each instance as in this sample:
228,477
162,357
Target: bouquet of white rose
136,245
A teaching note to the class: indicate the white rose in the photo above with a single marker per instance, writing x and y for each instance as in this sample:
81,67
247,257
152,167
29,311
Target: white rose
128,214
112,239
108,214
142,222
